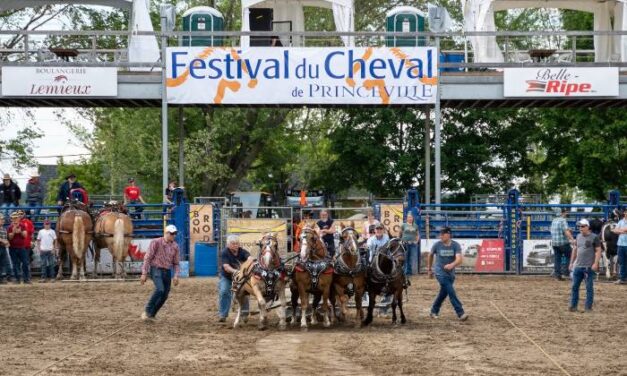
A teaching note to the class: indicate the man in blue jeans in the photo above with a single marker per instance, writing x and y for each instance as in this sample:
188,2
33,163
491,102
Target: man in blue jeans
584,263
448,254
621,230
561,239
232,257
162,255
18,250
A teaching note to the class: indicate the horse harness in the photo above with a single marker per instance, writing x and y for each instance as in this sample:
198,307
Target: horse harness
378,277
98,223
77,206
315,268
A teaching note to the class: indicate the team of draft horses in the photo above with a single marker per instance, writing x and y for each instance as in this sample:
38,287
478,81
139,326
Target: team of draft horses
330,280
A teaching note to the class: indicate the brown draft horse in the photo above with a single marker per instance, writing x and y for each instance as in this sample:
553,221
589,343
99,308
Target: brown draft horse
265,279
349,276
74,232
312,274
385,276
114,231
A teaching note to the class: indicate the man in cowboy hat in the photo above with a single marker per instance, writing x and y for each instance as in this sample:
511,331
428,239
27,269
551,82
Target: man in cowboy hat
64,191
10,194
34,194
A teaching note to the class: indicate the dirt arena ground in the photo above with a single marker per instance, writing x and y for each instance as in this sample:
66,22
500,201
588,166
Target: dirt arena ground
94,329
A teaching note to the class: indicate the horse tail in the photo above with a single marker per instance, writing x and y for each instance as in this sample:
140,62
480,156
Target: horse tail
118,239
78,236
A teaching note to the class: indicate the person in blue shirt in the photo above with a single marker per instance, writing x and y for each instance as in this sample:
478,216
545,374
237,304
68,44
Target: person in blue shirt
621,230
448,255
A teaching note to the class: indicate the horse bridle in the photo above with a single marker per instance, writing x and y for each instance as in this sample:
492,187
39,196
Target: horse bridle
349,247
378,273
304,240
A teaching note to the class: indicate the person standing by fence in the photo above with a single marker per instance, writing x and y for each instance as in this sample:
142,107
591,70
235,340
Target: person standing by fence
411,236
584,263
162,255
561,239
621,230
133,195
448,255
17,235
10,194
34,195
47,247
5,263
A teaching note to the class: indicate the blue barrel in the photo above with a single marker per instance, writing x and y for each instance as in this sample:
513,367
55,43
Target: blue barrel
206,259
452,57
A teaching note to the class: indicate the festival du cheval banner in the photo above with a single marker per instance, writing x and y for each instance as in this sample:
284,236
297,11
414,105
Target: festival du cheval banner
267,76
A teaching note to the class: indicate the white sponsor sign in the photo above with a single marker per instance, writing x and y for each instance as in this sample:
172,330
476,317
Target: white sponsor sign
59,82
538,254
560,82
275,75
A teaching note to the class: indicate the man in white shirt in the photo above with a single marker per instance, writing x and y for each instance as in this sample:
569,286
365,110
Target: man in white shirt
47,247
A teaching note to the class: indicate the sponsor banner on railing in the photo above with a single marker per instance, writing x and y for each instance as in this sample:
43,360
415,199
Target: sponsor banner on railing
251,230
375,76
200,224
560,82
478,255
392,218
538,255
59,81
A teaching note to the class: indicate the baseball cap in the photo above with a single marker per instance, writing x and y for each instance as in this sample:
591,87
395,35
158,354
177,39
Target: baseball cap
131,179
70,176
445,230
47,222
378,225
583,222
171,229
15,215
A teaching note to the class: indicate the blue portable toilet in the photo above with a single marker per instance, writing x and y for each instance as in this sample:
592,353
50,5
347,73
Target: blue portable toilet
206,259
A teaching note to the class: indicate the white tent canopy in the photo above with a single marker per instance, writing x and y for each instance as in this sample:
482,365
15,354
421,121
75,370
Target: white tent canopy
142,48
479,16
292,10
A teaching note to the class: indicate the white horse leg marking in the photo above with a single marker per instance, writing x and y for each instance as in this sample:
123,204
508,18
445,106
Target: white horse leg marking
281,311
239,310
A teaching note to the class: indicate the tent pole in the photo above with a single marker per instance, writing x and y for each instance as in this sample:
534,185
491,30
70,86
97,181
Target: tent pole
181,148
164,106
427,155
437,124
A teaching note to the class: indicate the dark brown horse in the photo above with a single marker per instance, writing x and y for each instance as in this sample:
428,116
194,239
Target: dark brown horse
349,276
313,274
114,231
385,276
74,232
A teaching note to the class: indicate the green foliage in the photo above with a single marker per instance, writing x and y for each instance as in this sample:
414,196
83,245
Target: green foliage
88,173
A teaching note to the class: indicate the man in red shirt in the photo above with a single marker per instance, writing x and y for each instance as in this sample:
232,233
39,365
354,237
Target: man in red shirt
30,229
17,235
162,255
133,195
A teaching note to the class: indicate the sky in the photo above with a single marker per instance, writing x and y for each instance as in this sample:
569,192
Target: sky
57,140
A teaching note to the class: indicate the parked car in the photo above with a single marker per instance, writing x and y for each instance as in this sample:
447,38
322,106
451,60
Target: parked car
541,255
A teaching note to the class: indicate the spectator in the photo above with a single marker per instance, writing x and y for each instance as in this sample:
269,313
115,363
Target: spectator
326,230
169,192
621,230
48,248
30,230
369,225
410,236
373,244
133,195
448,255
17,235
297,228
10,194
561,238
34,194
66,188
584,263
5,264
162,255
232,257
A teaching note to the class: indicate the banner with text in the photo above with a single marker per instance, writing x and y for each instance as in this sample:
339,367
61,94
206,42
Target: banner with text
478,255
59,82
262,75
560,82
251,230
392,218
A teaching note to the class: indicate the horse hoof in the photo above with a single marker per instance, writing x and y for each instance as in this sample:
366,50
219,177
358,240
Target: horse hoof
403,321
327,324
261,327
304,329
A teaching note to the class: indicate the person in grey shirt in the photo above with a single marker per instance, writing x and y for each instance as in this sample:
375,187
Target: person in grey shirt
584,263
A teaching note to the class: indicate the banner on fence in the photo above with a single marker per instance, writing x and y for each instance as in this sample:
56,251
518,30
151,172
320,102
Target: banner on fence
383,76
59,81
392,218
200,224
251,230
132,264
478,255
538,255
560,82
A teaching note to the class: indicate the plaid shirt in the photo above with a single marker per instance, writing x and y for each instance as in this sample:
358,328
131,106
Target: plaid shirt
3,236
558,227
161,254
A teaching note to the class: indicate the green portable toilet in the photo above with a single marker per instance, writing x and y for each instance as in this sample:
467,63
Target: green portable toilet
203,19
404,19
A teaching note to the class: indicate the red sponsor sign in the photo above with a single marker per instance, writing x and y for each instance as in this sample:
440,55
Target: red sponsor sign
491,256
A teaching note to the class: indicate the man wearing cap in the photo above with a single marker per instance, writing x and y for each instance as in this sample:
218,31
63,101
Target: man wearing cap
5,264
133,195
34,194
621,230
448,255
17,235
47,248
584,263
373,244
561,239
162,255
10,194
68,185
231,259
